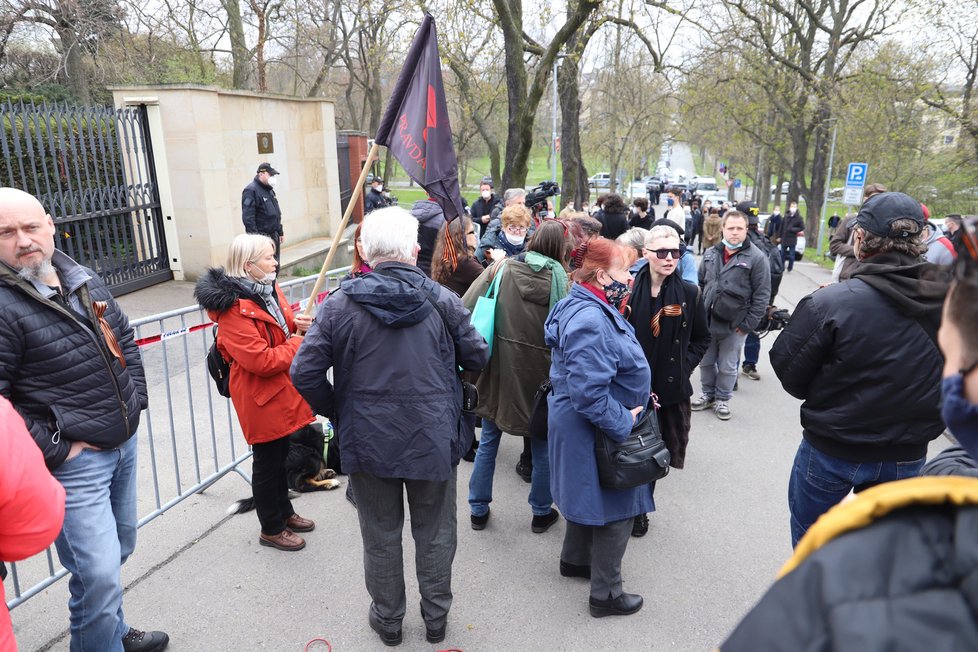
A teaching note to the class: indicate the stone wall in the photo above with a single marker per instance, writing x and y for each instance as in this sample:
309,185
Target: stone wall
205,143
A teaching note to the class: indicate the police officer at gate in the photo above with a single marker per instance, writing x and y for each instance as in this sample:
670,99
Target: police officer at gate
260,211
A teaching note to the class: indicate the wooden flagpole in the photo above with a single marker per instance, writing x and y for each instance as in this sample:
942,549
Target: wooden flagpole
357,190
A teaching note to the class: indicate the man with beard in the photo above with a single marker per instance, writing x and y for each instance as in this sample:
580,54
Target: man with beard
71,368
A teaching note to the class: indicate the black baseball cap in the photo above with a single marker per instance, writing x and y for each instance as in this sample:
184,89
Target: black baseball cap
267,167
749,209
879,212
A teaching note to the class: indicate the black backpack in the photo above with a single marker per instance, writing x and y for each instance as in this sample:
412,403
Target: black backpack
219,368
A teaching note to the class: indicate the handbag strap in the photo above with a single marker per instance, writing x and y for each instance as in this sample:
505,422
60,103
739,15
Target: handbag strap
493,290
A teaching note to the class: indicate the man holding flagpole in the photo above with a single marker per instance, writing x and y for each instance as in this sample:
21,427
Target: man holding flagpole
395,341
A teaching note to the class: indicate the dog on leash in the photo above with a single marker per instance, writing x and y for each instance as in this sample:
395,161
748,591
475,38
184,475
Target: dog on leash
305,466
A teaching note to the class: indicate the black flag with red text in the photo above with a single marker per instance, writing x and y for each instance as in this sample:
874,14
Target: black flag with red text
415,126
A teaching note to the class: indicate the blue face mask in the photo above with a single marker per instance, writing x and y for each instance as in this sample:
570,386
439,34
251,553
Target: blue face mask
617,293
960,416
732,246
669,201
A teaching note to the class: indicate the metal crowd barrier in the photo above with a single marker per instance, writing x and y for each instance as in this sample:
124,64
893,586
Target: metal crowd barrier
189,431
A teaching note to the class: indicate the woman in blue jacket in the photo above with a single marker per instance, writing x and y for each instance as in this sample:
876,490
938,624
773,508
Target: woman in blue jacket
600,379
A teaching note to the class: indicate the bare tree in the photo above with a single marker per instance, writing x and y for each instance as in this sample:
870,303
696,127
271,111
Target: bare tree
813,40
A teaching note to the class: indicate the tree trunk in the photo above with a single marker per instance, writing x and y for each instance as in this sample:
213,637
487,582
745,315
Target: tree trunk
260,68
763,181
239,47
816,194
77,75
574,176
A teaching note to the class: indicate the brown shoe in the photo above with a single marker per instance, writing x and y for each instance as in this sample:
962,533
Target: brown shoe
298,524
284,540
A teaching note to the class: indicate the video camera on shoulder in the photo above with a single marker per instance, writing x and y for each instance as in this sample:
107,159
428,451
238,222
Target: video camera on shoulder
536,198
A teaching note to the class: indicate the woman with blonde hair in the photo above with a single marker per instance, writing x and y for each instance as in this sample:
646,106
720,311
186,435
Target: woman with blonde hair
257,335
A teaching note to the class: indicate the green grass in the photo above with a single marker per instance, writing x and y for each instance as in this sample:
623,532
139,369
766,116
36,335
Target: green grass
819,260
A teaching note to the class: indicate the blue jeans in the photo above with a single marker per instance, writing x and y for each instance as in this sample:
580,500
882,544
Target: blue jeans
788,255
752,349
480,484
819,481
98,536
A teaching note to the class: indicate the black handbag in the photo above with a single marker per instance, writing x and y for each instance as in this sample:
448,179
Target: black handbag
640,459
540,415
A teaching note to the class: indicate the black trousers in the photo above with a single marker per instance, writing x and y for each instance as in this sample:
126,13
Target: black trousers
269,485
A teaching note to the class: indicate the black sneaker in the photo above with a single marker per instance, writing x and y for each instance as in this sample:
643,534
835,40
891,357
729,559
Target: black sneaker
525,472
541,524
641,526
139,641
479,522
750,371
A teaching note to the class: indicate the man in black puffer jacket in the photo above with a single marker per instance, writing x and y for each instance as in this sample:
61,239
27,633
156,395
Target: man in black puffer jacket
863,356
70,365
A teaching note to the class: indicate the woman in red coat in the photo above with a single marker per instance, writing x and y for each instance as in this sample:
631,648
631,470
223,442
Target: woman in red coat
256,334
32,503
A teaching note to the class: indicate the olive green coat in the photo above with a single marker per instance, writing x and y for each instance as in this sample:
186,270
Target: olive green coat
520,359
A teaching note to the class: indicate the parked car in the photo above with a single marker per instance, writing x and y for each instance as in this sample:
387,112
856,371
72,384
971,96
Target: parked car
703,185
784,189
653,184
602,181
678,186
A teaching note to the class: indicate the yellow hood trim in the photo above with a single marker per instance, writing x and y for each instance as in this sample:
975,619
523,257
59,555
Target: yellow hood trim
876,502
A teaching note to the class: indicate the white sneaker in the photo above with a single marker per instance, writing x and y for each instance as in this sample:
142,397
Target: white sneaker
722,410
702,403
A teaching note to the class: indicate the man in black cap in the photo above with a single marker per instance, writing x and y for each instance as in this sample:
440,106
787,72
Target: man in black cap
259,206
862,355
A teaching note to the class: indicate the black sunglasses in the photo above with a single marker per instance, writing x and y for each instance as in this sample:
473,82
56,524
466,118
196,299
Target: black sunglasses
662,254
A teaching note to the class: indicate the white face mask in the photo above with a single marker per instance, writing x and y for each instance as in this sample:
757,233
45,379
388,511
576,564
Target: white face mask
486,194
379,187
514,240
267,279
273,181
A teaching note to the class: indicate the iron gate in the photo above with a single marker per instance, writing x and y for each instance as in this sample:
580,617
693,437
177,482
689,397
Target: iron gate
92,168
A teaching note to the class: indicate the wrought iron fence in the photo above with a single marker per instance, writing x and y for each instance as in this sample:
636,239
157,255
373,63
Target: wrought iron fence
92,168
189,432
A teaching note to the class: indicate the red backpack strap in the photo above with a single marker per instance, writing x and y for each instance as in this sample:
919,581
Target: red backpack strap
950,247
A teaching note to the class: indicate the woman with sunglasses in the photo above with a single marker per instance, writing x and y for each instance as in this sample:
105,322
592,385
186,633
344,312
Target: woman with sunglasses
670,324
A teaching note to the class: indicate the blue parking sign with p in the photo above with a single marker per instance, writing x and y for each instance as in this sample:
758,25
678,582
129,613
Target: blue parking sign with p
856,176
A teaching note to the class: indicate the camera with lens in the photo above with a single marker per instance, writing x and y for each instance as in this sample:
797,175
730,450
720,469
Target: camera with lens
775,319
536,198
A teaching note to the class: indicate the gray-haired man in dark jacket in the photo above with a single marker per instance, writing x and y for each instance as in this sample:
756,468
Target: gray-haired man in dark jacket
70,365
395,340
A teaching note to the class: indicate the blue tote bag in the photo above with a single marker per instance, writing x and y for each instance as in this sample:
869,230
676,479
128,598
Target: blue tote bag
484,313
